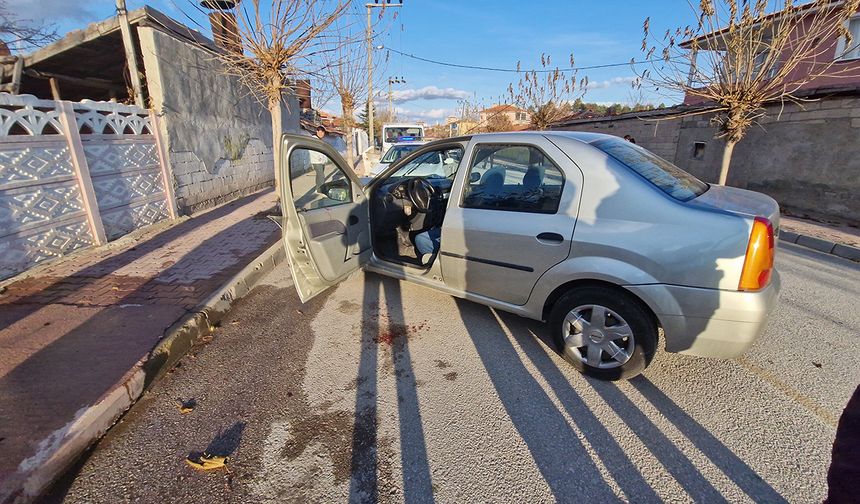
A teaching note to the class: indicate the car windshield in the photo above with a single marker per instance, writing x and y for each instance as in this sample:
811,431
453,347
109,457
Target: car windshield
667,177
397,152
394,134
433,164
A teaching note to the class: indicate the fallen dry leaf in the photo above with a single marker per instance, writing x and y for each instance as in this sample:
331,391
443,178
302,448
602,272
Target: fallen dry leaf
206,462
185,406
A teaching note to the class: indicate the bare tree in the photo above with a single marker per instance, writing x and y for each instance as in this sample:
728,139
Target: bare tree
23,34
544,90
345,73
278,42
752,53
498,123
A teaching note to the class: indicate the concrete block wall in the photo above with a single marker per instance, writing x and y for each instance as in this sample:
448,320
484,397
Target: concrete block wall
218,136
805,157
658,136
195,185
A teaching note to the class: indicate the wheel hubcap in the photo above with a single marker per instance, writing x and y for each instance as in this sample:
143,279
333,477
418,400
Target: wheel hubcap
597,337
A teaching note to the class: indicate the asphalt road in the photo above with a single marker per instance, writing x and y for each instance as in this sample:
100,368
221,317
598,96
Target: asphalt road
459,403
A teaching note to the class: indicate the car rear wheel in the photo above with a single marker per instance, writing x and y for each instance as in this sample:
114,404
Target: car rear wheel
604,332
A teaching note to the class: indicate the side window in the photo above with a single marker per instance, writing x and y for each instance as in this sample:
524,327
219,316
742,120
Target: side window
317,181
517,178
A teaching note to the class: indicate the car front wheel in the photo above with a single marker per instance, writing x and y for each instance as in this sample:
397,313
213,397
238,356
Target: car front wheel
604,332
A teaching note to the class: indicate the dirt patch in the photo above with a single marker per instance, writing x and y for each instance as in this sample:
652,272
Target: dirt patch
442,364
348,307
451,376
332,430
355,383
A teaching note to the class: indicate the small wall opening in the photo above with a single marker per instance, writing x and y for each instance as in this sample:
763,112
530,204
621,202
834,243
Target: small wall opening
699,150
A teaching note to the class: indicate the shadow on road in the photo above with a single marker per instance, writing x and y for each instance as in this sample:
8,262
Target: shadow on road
560,456
719,454
226,442
562,459
375,332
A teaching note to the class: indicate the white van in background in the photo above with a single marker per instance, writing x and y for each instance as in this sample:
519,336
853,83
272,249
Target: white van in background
400,132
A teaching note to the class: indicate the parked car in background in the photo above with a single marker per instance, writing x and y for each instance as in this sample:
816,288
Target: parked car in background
394,153
400,132
599,237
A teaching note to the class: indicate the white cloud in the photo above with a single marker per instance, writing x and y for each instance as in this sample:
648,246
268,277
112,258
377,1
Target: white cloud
615,81
428,93
427,115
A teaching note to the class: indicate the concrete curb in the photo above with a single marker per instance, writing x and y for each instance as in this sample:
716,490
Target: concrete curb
58,452
826,246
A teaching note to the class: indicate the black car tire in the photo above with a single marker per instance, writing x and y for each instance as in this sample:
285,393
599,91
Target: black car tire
634,313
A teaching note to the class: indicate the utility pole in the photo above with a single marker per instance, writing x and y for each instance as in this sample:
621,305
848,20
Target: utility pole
393,80
377,4
130,53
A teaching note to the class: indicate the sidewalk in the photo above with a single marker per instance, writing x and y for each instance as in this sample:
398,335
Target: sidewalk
73,332
842,241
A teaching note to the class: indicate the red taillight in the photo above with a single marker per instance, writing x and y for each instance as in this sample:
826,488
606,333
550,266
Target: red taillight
758,263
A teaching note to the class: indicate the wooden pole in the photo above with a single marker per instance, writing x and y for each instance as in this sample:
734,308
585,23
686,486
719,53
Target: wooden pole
16,75
369,77
55,89
130,53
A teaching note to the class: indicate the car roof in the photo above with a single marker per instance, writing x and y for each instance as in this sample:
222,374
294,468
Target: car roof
582,136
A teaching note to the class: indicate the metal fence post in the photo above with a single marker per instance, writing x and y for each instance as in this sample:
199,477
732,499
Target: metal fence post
82,170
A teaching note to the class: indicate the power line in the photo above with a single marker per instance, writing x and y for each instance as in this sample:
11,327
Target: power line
514,70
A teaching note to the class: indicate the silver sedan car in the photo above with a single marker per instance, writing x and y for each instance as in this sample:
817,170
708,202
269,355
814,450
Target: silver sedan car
608,243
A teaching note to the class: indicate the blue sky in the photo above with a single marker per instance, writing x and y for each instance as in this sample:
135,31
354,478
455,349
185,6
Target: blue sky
493,33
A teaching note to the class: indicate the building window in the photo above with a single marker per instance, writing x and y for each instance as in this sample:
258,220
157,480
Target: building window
850,51
759,62
699,150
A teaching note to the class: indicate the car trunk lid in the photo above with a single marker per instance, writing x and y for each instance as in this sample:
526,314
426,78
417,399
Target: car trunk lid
739,201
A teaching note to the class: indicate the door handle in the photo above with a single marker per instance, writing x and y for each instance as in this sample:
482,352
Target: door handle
353,220
553,238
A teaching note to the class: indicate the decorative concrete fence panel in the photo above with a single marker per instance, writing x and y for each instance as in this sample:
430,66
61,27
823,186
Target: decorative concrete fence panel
75,175
122,155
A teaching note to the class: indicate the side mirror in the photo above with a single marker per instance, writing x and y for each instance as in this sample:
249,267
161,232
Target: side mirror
474,177
337,190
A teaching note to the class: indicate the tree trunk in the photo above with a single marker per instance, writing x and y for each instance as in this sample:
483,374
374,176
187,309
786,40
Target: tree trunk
727,159
277,132
347,122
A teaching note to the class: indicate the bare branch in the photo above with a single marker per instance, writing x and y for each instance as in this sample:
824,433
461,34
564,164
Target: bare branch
23,34
543,94
744,54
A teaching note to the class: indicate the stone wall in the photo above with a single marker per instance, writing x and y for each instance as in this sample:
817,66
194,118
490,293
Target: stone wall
650,130
218,136
808,158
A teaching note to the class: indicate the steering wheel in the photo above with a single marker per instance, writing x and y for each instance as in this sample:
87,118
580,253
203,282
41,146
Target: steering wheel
420,193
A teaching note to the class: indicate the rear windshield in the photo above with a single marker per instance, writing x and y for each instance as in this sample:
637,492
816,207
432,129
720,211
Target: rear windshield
398,134
667,177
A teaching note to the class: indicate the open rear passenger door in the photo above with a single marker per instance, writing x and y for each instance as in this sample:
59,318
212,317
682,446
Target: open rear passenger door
326,229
